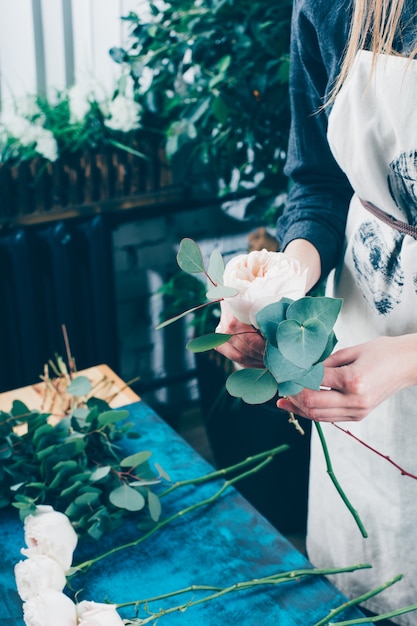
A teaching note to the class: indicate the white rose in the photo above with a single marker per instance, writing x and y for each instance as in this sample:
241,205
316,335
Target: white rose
50,532
49,608
97,614
37,574
124,114
262,277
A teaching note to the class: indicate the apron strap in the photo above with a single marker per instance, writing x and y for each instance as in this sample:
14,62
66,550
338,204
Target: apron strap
402,227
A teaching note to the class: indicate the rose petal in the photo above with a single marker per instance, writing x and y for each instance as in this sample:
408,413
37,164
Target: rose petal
97,614
50,532
49,608
37,574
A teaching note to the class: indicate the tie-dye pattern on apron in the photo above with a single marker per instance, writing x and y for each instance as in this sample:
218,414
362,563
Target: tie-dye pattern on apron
373,135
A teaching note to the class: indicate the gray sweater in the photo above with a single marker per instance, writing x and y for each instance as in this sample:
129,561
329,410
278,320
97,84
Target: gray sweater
320,193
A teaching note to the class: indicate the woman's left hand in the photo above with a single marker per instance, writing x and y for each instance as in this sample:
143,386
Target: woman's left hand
358,379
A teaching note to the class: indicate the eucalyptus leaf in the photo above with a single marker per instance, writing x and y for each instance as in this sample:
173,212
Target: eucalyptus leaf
100,473
302,344
154,505
79,386
322,308
289,388
6,449
216,268
126,497
253,386
89,498
136,459
112,416
19,409
281,369
313,378
219,292
162,473
208,342
270,316
189,257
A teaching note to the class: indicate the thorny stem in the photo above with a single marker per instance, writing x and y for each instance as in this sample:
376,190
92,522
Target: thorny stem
336,482
356,601
384,456
207,501
274,579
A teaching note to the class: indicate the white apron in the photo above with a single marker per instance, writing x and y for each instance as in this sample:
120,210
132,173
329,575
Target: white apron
373,136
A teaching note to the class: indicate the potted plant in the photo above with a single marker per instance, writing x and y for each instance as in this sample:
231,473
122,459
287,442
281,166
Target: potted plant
213,77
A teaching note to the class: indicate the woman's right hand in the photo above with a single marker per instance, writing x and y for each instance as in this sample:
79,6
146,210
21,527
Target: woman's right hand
246,347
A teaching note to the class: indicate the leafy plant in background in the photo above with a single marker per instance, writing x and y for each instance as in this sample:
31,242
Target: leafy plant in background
213,77
81,117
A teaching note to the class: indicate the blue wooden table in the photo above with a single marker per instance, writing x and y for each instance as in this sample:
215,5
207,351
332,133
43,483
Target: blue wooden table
224,543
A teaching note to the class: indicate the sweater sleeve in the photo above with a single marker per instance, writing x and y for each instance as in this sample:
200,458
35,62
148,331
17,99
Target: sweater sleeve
320,193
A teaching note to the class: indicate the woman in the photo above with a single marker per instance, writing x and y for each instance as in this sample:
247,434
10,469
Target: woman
354,139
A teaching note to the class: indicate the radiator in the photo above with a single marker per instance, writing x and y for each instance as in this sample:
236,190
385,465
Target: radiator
50,276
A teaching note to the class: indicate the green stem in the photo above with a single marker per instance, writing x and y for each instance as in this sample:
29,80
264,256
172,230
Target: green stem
274,579
250,460
336,482
376,618
358,600
122,146
207,501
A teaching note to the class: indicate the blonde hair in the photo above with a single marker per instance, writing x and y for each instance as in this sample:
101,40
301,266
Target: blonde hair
375,23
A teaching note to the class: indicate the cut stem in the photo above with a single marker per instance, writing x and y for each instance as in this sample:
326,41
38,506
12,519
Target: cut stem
336,482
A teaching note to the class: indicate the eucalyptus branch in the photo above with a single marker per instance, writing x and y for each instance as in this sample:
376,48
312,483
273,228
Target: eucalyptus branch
336,482
207,501
274,579
384,456
250,460
356,601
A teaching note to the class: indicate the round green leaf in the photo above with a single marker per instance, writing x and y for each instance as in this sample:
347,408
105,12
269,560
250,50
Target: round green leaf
125,497
111,417
79,386
254,386
289,388
207,342
136,459
89,498
302,344
19,409
281,369
270,316
319,307
313,378
189,257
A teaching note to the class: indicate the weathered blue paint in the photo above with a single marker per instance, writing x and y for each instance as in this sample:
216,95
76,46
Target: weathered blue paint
220,545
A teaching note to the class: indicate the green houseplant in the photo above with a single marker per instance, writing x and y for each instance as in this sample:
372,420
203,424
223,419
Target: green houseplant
213,77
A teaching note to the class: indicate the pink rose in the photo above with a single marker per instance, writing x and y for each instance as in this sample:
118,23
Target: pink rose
262,277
